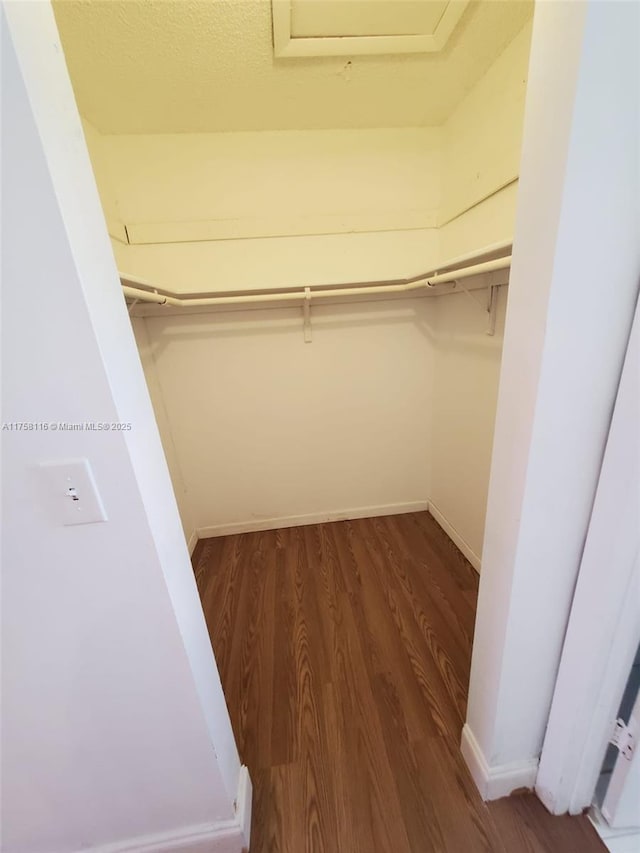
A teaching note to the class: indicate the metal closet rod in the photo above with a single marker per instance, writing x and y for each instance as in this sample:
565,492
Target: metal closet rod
448,273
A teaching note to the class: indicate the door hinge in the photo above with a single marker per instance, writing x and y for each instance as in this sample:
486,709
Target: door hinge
623,739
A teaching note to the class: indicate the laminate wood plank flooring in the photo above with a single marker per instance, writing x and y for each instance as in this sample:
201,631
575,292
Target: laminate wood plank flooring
344,651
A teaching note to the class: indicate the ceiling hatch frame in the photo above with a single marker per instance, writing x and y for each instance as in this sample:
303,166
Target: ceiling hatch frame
287,46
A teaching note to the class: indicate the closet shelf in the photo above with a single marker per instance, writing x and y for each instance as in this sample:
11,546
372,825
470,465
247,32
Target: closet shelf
442,279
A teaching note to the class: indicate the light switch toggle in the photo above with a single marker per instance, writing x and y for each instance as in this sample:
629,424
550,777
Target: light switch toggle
71,491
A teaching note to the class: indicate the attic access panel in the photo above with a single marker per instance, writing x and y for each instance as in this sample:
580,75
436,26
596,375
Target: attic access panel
351,27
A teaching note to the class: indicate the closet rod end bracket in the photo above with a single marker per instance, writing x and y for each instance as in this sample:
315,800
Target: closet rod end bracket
306,310
492,308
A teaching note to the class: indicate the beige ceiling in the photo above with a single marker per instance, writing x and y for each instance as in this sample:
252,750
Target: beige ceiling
179,66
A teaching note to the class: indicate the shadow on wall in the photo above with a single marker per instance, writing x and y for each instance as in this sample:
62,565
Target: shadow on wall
274,322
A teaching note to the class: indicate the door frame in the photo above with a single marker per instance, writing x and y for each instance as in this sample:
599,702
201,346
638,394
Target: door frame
621,802
603,632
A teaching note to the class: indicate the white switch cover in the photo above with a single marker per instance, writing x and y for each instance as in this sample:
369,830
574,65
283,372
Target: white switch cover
72,492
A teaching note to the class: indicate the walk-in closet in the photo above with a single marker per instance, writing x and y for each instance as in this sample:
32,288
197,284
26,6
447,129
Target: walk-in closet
229,171
311,205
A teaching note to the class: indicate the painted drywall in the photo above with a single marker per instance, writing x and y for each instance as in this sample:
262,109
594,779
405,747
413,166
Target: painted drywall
180,187
483,136
212,377
104,180
482,147
560,369
159,407
466,370
465,361
225,185
215,376
482,142
114,726
269,429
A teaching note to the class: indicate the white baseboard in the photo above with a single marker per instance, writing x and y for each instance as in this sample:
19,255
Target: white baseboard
192,542
628,843
455,537
615,840
254,525
501,780
244,800
224,836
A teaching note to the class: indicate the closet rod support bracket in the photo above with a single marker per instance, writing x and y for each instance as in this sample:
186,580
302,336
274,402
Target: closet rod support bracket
492,308
306,309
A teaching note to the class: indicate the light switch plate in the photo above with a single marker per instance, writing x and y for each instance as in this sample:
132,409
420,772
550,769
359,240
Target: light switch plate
71,491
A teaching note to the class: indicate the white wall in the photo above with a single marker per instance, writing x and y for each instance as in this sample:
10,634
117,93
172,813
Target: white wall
343,421
466,370
181,189
162,419
114,727
104,180
565,339
214,376
483,136
227,185
483,139
270,430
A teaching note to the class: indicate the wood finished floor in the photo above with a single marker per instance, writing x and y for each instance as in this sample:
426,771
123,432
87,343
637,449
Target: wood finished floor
344,651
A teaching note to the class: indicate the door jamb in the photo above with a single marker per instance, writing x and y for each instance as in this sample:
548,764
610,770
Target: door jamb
604,625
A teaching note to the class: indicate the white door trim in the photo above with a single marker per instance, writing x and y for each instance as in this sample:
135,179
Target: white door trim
604,625
615,840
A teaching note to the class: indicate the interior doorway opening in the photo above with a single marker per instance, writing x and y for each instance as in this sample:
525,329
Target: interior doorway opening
223,384
280,218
